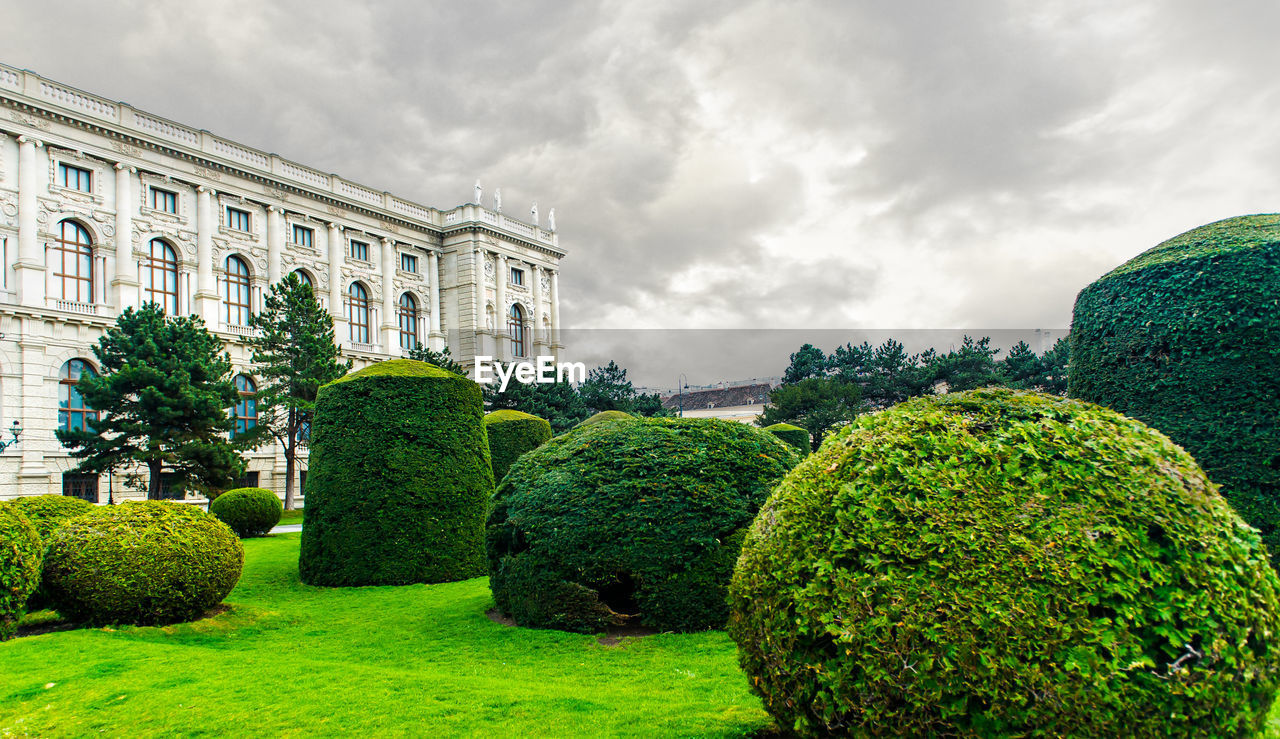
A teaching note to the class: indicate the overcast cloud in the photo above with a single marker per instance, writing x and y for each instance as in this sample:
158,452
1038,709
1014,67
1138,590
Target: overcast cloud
903,164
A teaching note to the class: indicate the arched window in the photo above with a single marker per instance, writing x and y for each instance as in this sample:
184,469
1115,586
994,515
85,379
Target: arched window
408,315
73,262
246,411
160,277
238,304
358,304
73,412
305,279
515,325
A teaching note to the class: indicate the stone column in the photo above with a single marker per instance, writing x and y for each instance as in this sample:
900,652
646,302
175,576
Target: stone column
390,326
435,339
124,281
275,243
336,285
29,268
206,302
477,260
538,338
500,307
555,311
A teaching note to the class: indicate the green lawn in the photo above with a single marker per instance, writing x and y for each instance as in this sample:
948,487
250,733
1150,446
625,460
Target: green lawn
294,516
296,660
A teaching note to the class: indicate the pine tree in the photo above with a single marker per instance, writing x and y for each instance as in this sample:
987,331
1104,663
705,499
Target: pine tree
442,359
162,398
295,353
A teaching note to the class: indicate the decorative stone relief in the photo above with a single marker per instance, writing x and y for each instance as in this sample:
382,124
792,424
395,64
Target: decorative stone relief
126,149
271,192
27,120
206,172
546,285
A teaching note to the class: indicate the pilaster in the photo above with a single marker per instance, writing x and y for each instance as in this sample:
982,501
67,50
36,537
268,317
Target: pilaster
30,266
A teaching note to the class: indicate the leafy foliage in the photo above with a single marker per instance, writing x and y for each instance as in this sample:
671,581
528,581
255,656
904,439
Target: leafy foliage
512,433
294,353
603,416
141,562
793,435
442,359
400,478
564,406
817,404
633,521
1186,338
998,563
48,512
20,554
162,394
248,511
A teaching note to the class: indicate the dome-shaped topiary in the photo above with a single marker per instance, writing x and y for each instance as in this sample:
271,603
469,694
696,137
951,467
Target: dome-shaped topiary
637,521
1186,337
512,433
141,562
999,563
48,512
603,416
20,551
399,479
248,511
793,435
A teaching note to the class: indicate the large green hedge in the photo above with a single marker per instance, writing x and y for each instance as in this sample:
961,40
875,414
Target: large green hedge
399,480
1186,337
1003,563
629,522
141,562
512,433
793,435
20,554
603,416
248,511
47,513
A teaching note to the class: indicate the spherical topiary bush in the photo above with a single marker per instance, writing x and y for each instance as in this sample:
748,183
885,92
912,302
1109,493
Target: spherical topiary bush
512,433
603,416
1186,337
248,511
20,552
793,435
1000,563
48,512
142,562
629,522
399,480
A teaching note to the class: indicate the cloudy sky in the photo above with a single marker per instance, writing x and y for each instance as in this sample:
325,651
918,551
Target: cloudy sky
887,165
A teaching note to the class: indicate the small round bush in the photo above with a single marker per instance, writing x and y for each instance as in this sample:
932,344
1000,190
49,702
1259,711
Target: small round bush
1002,563
248,511
793,435
629,522
603,416
141,562
48,512
20,550
512,433
400,479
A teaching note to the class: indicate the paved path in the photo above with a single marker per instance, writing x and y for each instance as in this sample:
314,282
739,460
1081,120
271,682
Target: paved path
289,528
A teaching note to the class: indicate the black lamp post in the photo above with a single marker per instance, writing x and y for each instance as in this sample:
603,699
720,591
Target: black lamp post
682,382
16,430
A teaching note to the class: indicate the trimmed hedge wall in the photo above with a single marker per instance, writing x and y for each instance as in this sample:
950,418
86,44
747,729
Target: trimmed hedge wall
142,562
248,511
20,553
1002,563
399,481
1186,338
621,522
512,433
47,513
793,435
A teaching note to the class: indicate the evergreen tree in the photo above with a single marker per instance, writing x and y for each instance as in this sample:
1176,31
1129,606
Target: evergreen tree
162,398
608,389
971,366
558,402
808,362
442,359
295,353
816,404
1020,367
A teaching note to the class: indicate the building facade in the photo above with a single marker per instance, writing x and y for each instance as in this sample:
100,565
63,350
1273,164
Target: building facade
104,207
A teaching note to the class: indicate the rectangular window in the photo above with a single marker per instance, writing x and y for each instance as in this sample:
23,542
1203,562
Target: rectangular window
409,263
360,250
517,276
75,178
303,236
80,486
164,201
250,480
171,487
237,220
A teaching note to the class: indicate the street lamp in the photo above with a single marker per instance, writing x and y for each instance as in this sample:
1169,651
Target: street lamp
16,430
682,382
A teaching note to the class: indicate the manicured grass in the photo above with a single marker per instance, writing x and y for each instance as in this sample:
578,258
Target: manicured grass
294,516
292,659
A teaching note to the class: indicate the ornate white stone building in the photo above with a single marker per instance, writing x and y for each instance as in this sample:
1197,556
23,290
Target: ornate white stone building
103,206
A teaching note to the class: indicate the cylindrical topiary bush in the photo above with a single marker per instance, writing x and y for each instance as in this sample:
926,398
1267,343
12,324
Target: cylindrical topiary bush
248,511
793,435
141,562
636,522
399,479
1002,563
1186,337
603,416
512,433
46,513
20,554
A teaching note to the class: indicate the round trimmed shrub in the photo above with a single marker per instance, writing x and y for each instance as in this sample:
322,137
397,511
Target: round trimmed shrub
603,416
1186,337
248,511
512,433
399,481
629,522
999,563
47,512
20,553
142,562
793,435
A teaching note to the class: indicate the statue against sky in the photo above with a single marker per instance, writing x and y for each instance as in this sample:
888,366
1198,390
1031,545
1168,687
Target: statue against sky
479,192
551,219
497,199
533,212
